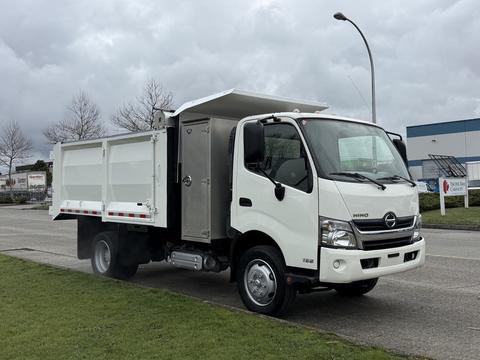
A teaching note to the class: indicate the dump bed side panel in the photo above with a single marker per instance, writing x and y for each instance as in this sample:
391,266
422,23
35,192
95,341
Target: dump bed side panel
129,192
120,179
78,178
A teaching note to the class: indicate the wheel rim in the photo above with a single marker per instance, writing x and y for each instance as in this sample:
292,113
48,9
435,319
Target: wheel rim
260,282
103,256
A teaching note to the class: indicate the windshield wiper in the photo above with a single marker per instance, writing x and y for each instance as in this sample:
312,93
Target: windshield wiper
398,177
360,176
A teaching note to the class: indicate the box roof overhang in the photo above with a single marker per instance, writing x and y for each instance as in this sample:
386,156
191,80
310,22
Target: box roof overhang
236,103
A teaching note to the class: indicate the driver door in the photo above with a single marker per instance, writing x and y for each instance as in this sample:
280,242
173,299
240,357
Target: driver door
293,221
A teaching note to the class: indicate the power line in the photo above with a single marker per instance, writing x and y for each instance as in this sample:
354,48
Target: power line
360,93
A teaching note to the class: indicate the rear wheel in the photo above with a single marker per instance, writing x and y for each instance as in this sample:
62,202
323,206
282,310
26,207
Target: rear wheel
105,258
356,288
261,281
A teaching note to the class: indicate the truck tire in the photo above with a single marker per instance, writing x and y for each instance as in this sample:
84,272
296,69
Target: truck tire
105,259
356,288
261,281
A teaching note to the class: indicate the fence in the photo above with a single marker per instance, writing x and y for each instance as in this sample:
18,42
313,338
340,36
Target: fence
32,196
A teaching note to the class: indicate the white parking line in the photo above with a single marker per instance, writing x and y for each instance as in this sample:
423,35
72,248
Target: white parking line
454,257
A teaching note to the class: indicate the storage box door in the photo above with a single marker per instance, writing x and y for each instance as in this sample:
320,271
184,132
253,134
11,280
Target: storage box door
195,181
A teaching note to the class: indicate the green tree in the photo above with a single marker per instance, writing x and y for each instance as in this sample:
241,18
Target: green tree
41,165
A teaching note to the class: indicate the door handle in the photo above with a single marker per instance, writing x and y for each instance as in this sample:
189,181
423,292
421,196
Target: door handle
245,202
187,180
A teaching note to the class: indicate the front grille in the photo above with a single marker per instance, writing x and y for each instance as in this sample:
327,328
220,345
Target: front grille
379,224
387,244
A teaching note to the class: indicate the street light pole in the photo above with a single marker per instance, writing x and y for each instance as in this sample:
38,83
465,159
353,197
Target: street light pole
340,16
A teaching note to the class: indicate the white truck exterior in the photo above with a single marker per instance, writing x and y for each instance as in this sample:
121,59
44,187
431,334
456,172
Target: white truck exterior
291,200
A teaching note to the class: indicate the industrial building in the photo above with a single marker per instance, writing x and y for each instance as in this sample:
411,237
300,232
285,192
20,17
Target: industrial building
460,139
24,181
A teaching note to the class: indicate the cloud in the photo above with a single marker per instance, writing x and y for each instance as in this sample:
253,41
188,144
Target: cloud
426,58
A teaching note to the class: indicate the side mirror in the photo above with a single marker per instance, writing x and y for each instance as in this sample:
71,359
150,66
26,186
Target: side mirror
402,149
253,142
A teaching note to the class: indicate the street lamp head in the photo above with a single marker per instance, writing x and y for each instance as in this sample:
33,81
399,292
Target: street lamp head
340,16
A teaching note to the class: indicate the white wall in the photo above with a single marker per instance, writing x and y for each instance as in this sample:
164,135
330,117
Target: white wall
445,144
416,172
472,143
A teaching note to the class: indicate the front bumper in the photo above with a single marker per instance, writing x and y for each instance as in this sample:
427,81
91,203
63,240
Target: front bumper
349,265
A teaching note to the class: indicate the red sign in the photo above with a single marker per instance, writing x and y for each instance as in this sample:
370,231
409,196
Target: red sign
446,186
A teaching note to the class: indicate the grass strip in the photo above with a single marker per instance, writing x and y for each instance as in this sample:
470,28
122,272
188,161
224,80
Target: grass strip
51,313
454,216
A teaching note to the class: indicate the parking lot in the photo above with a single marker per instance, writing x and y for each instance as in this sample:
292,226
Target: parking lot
432,311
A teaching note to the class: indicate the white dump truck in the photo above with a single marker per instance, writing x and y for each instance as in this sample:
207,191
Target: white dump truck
288,199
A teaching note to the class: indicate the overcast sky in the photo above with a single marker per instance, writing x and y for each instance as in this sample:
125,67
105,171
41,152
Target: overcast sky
426,54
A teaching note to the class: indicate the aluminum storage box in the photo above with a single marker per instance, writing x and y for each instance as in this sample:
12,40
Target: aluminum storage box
204,178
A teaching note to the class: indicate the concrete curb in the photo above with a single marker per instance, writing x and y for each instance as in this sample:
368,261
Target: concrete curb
20,206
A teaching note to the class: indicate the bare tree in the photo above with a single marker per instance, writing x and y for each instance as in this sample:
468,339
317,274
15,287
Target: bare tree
139,116
14,147
82,123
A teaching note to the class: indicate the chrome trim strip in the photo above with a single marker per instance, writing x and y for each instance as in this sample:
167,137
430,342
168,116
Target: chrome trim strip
385,231
366,236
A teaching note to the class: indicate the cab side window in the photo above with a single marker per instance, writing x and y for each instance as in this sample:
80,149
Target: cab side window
285,157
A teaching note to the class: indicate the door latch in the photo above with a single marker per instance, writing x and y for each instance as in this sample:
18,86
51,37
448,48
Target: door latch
187,180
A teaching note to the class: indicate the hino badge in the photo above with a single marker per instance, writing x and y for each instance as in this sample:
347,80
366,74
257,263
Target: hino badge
291,200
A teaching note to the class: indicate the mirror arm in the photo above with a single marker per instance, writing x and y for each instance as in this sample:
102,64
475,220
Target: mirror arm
271,117
394,134
279,188
266,175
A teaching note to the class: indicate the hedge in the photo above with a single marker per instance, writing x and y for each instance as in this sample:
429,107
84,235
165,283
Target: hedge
431,201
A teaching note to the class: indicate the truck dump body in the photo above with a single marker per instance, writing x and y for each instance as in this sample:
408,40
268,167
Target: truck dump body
120,179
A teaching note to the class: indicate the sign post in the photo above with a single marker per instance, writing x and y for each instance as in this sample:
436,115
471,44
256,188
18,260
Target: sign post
452,187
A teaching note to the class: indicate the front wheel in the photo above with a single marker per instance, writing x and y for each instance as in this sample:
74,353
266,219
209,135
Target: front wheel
356,288
261,281
105,260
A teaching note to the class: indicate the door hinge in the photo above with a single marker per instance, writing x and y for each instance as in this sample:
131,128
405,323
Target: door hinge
151,207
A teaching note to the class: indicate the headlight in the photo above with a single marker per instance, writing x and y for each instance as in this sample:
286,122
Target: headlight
418,226
336,233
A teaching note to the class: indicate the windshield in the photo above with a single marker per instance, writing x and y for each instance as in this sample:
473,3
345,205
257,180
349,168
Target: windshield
349,147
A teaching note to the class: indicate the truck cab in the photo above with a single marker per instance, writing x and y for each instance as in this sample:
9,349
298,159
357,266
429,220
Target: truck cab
290,201
349,212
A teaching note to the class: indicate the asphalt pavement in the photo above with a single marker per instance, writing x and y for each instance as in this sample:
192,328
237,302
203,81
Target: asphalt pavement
433,311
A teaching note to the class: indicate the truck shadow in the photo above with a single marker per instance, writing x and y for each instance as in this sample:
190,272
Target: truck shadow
315,309
332,308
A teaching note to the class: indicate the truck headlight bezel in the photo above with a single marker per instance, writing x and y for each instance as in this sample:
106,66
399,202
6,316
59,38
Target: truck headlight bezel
417,228
336,234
